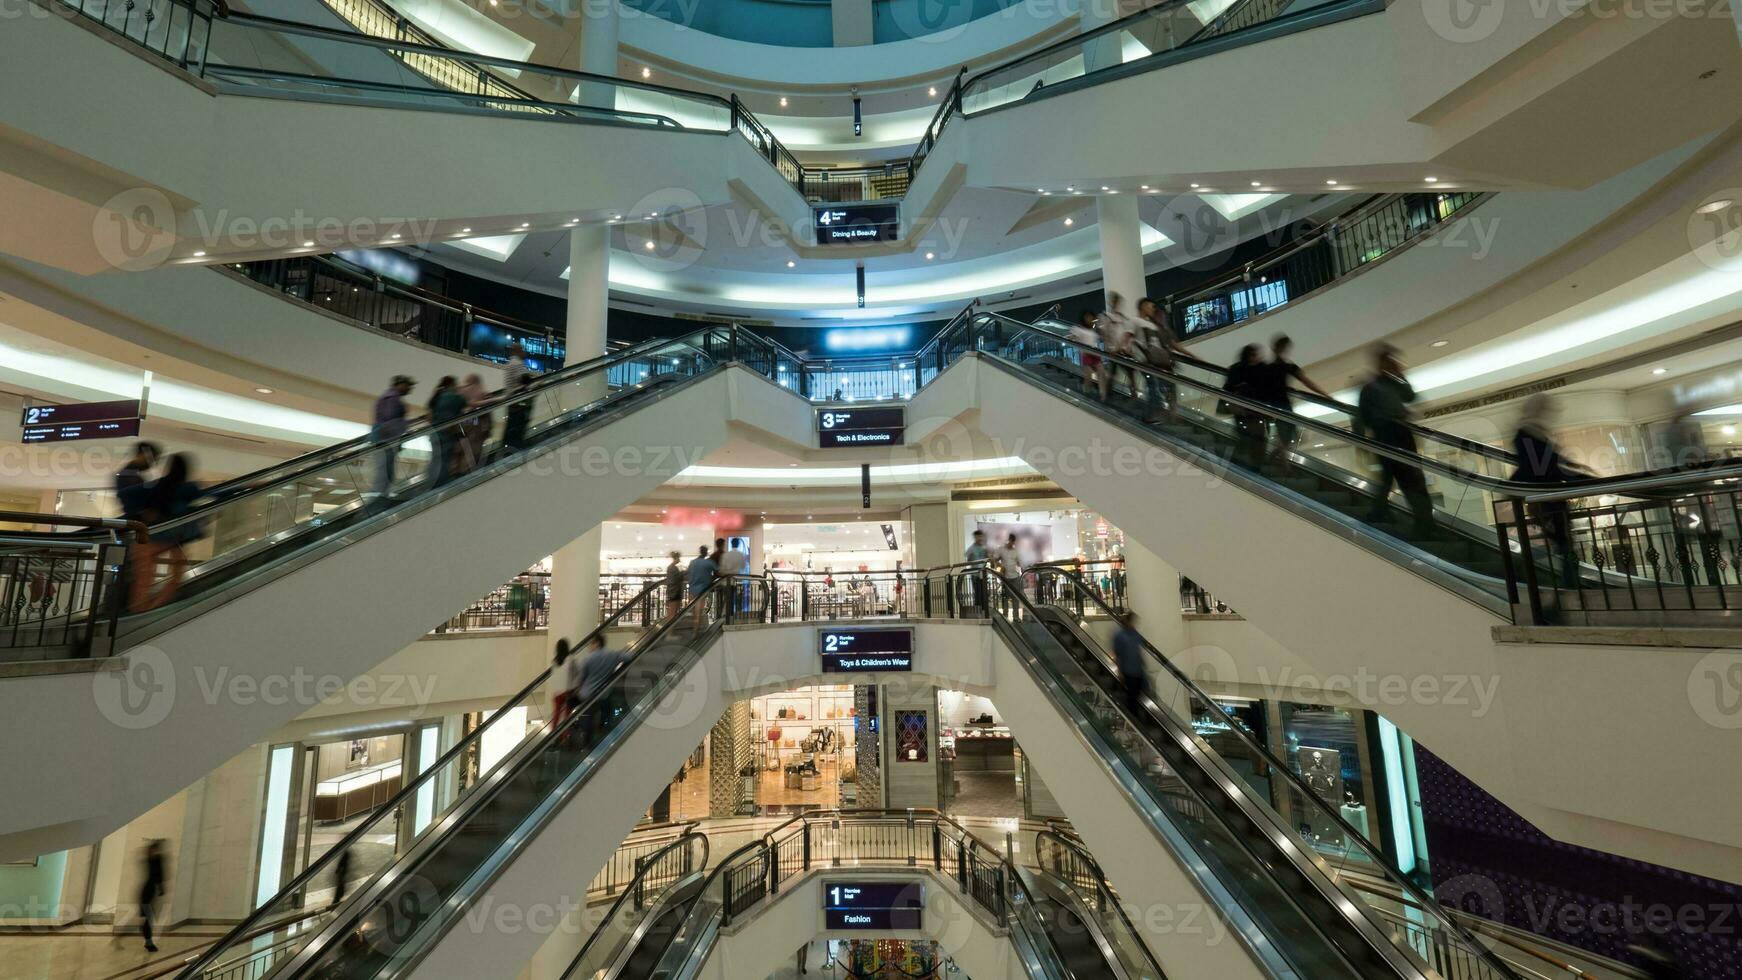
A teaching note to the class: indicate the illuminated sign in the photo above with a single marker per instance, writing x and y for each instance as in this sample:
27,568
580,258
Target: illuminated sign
848,224
864,651
839,428
867,338
78,422
873,904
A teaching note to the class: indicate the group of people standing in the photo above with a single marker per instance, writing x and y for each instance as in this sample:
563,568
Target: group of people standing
157,501
1145,338
460,423
1005,560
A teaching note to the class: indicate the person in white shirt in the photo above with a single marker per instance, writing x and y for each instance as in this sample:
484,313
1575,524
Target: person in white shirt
1010,562
1118,335
1084,333
515,371
735,562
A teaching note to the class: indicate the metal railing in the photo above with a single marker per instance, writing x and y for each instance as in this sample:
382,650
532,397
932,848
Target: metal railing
1067,860
1376,229
176,30
522,603
61,596
846,185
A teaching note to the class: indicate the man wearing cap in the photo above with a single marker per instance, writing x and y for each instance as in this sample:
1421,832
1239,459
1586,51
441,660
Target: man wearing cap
389,427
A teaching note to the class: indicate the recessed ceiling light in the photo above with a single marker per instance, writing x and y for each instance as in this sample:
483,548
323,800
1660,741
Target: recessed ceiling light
1333,182
1144,187
199,255
790,263
1713,207
929,256
649,246
1433,180
1258,183
783,102
1070,188
574,222
1439,343
646,72
616,217
1196,186
525,226
264,391
933,91
1105,187
1069,222
1660,370
393,238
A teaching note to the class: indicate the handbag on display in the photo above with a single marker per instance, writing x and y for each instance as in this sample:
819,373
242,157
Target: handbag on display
774,734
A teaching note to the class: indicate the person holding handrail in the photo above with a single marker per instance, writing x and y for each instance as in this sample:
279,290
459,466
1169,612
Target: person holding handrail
977,557
1383,414
170,496
445,405
1242,381
1084,333
1273,389
1159,348
1540,461
388,428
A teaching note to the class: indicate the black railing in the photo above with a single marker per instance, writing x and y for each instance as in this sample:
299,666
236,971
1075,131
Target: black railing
522,603
1373,231
178,31
61,596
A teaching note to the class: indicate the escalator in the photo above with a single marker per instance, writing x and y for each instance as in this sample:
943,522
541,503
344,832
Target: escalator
1250,829
641,923
464,841
1088,926
1073,939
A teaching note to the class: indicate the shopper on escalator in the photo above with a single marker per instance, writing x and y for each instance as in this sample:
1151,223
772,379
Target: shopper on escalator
976,556
134,475
1160,349
517,417
475,431
1243,381
594,673
171,496
674,584
1383,414
1118,334
702,572
1274,388
1084,334
445,405
1540,461
388,428
1128,657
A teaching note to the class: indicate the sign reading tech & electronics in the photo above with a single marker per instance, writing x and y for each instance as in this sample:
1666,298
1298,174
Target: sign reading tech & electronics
78,422
839,428
863,651
850,224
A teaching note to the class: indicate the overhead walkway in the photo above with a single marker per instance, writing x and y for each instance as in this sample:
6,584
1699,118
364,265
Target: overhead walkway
307,571
248,96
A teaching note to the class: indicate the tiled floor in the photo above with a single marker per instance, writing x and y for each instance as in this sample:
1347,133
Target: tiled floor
92,953
986,794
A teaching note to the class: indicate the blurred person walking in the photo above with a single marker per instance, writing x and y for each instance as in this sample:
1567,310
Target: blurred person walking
1160,349
1274,389
156,867
593,675
978,557
133,475
170,496
733,565
674,584
1383,414
565,679
1243,381
1540,461
515,373
1118,333
445,405
1128,657
702,572
519,414
1010,562
475,431
386,431
1084,333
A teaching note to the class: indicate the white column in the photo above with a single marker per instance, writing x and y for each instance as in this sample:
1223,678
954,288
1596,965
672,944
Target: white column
589,291
599,27
1121,247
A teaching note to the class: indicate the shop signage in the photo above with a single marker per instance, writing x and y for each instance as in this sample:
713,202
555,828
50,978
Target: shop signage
852,224
77,422
839,428
881,905
862,651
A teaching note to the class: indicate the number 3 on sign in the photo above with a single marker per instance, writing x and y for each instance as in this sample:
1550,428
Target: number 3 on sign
828,420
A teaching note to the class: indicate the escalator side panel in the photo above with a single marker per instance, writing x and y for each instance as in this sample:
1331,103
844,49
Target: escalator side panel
316,622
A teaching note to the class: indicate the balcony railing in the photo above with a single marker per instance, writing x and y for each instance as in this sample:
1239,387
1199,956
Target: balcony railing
60,595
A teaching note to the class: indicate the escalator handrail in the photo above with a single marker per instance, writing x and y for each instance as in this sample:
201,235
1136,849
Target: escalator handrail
265,480
430,773
1456,441
1422,899
1591,486
558,108
1076,847
456,54
647,864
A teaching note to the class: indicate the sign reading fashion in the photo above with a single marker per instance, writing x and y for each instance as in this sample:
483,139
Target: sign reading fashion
848,224
77,422
861,651
873,904
842,427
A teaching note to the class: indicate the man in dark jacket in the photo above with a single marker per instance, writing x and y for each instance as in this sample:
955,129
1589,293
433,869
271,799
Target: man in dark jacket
1383,415
389,425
